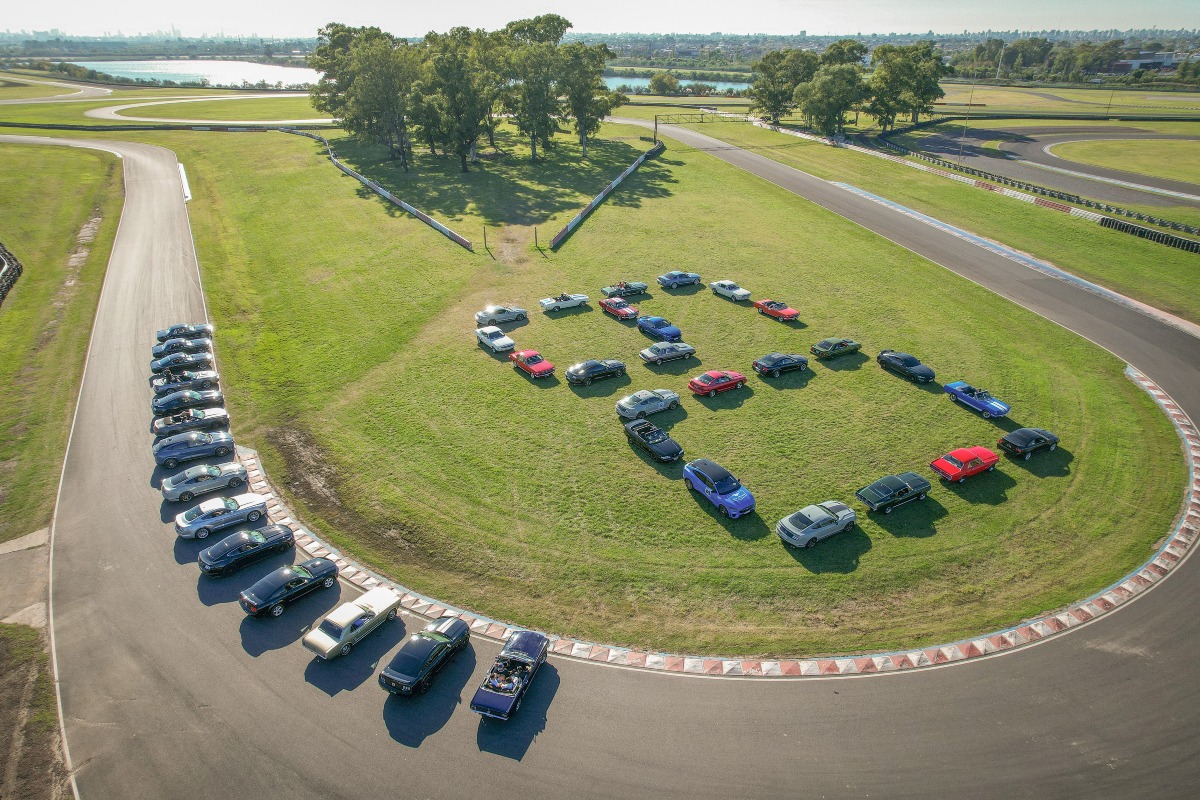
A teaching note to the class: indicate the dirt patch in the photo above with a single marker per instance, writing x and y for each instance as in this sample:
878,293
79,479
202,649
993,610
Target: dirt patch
75,262
32,765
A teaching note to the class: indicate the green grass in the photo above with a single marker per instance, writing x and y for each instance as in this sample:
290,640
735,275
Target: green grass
12,90
1051,100
47,194
31,722
1175,160
256,109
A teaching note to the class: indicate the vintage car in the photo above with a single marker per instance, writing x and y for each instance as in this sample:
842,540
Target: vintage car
717,485
532,363
619,308
893,490
780,311
834,346
960,464
647,436
659,328
350,622
594,369
185,330
716,381
1024,442
424,654
647,401
905,365
729,290
494,315
193,419
494,338
660,352
774,364
813,523
500,694
624,289
978,399
562,301
674,279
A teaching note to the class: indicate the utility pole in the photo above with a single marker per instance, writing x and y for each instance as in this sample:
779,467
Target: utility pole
1000,61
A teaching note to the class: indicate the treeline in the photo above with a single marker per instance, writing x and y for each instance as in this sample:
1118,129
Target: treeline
448,90
903,80
1039,59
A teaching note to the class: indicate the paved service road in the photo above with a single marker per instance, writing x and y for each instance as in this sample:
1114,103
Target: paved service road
168,691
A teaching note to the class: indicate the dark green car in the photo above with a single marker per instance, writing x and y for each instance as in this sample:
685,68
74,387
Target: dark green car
893,490
834,346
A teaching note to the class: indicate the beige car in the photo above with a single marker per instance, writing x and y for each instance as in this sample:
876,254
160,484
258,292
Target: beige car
350,622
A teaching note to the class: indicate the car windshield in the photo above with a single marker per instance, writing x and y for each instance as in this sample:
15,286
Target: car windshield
255,536
799,520
659,323
495,335
191,514
331,629
952,461
728,485
202,438
534,360
907,360
655,436
230,503
731,286
706,379
619,303
302,572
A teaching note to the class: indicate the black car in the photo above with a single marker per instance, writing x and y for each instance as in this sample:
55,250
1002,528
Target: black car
905,365
234,552
1024,442
185,330
893,490
833,346
181,346
594,370
188,398
653,440
286,584
178,380
775,363
192,419
412,669
178,361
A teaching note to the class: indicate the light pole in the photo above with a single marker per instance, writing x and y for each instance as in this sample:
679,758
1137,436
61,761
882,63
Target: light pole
963,139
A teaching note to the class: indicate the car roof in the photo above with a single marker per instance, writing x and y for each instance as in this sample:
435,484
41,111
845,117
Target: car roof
712,469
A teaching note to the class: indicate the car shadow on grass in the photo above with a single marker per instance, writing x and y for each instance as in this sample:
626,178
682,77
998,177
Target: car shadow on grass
839,554
509,326
1054,463
749,528
672,470
793,379
794,324
548,382
348,672
574,311
680,366
501,356
225,588
410,720
733,398
845,363
262,634
602,388
914,519
686,291
511,738
989,488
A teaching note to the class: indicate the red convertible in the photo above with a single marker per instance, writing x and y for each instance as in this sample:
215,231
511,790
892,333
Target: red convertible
532,363
780,311
618,308
960,464
714,381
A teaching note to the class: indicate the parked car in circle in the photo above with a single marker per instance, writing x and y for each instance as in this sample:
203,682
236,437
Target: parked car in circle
170,381
188,398
594,369
350,622
777,310
494,315
660,352
1024,442
182,361
833,347
893,490
659,328
505,685
717,485
716,381
220,512
494,338
244,548
978,399
180,346
619,308
562,301
674,279
185,330
647,401
192,419
960,464
775,364
174,450
624,289
531,363
905,365
729,290
412,670
812,524
272,593
201,479
647,436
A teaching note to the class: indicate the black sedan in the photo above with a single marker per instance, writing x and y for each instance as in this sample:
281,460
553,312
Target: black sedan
178,361
272,593
775,363
185,330
181,346
193,419
905,365
188,398
412,669
893,490
1024,442
593,370
241,549
176,381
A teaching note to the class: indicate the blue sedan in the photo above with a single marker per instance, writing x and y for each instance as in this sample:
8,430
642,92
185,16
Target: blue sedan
978,399
675,278
659,328
719,486
174,450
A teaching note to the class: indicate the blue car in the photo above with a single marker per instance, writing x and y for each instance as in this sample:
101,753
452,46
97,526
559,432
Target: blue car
720,487
174,450
500,694
659,328
675,279
978,399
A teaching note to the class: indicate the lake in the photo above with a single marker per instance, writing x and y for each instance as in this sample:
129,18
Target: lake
613,81
217,73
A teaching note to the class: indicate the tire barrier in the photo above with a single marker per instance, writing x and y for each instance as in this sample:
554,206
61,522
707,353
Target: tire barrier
1162,237
562,235
10,270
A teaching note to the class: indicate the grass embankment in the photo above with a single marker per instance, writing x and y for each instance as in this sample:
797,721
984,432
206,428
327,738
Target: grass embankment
1175,160
28,716
349,360
258,109
48,197
1050,100
15,90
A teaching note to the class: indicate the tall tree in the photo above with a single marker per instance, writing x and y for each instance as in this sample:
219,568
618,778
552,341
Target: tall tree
663,83
588,100
834,90
453,100
844,51
533,100
332,58
776,77
546,29
905,80
378,100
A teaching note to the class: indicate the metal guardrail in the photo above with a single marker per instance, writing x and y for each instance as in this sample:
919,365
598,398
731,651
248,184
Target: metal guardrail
575,222
10,270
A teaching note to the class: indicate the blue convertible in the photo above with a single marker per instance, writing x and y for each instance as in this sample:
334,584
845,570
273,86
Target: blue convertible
500,695
978,399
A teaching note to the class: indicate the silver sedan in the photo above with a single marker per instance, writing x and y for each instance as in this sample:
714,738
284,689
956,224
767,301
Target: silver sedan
201,479
220,512
811,524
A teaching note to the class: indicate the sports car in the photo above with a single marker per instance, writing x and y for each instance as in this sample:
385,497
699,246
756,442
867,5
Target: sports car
905,365
719,487
774,364
978,399
347,624
494,338
286,584
174,450
715,381
180,346
185,331
500,694
531,363
624,289
659,328
655,441
562,301
667,351
220,512
1024,442
424,654
674,279
647,401
188,398
193,419
619,308
811,524
494,315
172,381
833,346
730,290
780,311
893,490
179,361
244,548
593,370
202,478
960,464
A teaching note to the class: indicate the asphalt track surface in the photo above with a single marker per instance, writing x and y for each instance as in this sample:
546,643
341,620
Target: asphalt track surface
169,691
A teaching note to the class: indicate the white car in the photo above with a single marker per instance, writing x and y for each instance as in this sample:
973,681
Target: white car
494,315
564,300
648,401
494,338
347,624
729,289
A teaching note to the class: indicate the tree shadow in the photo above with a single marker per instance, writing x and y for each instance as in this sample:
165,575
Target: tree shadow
733,398
989,488
846,363
914,519
348,672
412,719
680,366
602,388
511,738
838,554
1054,463
261,634
795,379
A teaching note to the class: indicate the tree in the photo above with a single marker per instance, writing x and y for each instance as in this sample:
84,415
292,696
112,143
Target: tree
546,29
844,51
333,60
454,101
533,101
378,99
833,91
587,99
664,83
777,75
905,80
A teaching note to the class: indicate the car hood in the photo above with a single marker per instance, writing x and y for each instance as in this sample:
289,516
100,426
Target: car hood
922,371
996,407
667,448
503,341
223,548
740,498
669,332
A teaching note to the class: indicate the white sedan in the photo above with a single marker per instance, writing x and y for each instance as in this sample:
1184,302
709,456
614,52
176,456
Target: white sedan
493,337
729,289
564,300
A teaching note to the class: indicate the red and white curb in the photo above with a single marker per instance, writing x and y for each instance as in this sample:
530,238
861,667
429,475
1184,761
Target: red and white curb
1030,631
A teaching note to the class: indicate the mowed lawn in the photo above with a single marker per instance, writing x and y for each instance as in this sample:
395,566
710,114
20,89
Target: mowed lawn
249,108
1176,160
345,332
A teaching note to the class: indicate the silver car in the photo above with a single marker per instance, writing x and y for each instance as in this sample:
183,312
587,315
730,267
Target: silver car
220,512
494,315
647,401
667,351
811,524
201,479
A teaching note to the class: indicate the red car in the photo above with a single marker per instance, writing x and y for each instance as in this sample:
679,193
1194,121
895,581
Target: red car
780,311
960,464
531,362
715,381
619,308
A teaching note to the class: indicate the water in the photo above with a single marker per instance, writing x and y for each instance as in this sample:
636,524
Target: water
217,73
613,81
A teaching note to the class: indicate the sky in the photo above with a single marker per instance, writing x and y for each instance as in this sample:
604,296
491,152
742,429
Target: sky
302,18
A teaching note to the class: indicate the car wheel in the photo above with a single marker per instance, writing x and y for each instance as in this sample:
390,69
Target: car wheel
346,649
423,685
641,415
491,322
658,361
520,317
554,308
992,468
712,392
887,510
671,406
206,385
740,384
621,372
203,533
724,511
234,482
222,451
277,610
986,415
254,516
674,285
761,311
1053,445
774,373
171,463
391,615
1027,455
329,582
691,486
587,381
962,480
953,398
811,543
921,496
714,291
186,497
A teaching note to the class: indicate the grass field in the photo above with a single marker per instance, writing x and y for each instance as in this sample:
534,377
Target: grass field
14,90
1175,160
250,109
28,714
47,197
1051,100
